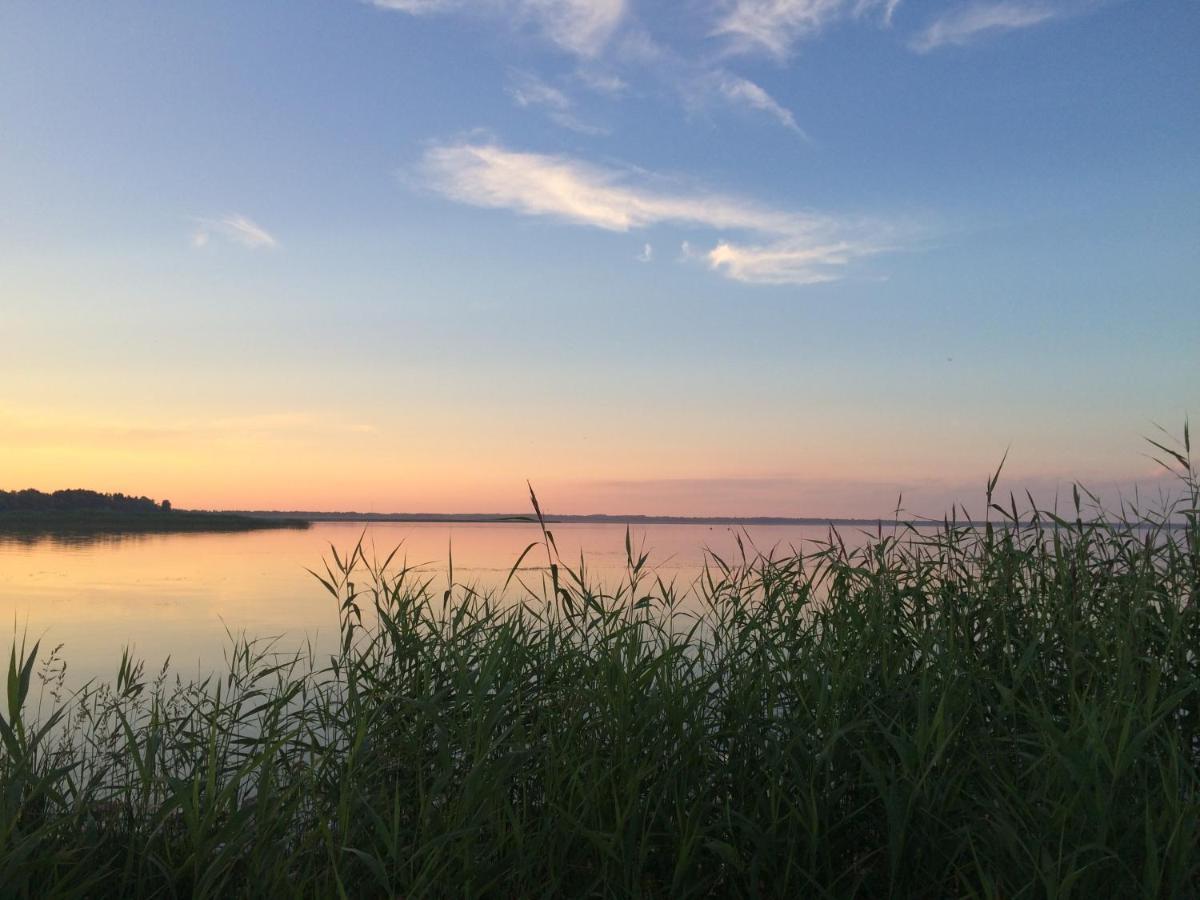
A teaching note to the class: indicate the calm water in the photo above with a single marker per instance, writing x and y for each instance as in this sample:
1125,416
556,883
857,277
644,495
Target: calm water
177,594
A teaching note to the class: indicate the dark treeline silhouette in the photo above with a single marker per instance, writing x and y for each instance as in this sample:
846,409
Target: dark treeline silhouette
30,513
76,500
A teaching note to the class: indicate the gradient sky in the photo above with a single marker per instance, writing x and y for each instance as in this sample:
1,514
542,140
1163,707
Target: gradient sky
735,257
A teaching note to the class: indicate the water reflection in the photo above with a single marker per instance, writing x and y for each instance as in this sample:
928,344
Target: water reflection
61,539
179,595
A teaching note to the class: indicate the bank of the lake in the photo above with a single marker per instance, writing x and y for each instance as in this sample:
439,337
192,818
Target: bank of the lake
15,523
81,512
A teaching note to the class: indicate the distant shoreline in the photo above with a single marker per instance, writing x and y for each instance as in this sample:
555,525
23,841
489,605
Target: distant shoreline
422,518
593,519
182,521
102,521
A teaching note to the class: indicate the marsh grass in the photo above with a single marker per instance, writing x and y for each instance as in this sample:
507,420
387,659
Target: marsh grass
1001,711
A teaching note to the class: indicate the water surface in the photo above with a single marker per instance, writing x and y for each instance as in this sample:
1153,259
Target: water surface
178,594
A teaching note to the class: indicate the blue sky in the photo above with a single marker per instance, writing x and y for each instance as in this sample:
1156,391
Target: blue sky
406,254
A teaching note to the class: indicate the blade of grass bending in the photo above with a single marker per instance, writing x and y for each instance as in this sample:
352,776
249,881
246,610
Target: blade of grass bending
517,565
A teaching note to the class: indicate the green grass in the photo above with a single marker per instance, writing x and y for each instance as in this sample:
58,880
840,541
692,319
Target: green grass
1010,711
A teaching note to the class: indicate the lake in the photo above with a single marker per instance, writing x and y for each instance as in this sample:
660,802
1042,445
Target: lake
176,594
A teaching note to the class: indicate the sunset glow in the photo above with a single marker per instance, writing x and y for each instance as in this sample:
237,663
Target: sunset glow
756,263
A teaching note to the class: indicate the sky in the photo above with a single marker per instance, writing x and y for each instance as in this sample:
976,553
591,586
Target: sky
704,257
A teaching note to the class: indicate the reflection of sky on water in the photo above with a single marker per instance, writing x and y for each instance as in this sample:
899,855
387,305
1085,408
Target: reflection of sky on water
175,594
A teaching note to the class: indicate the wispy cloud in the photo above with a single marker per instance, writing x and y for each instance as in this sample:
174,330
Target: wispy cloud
486,174
789,261
235,228
966,23
700,84
647,254
889,8
418,7
527,90
582,27
743,92
588,29
602,81
775,26
784,247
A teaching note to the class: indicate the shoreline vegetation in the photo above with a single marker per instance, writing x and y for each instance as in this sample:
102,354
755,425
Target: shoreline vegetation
82,512
1003,711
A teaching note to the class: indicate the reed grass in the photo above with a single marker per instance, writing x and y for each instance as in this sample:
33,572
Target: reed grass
1003,711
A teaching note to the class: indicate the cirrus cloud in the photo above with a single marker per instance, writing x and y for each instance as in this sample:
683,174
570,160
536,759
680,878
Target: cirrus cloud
581,27
965,23
743,92
235,228
775,26
787,261
530,92
778,247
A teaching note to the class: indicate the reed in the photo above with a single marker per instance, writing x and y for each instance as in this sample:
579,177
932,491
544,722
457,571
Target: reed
1002,711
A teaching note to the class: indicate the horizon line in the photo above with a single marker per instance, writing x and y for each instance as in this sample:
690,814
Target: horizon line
592,518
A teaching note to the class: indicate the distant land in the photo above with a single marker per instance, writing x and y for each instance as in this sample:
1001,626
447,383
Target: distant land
610,519
84,512
591,519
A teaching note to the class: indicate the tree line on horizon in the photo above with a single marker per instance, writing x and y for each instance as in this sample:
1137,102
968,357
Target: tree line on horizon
76,500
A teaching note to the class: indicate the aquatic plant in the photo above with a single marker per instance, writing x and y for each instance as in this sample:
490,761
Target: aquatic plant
1010,710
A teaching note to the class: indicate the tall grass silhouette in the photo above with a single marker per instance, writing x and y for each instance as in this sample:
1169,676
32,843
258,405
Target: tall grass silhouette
1006,710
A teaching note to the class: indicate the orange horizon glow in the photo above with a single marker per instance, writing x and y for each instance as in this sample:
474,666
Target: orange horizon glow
294,462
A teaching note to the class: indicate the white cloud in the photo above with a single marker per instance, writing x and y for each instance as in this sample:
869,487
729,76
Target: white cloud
698,84
785,262
774,26
527,90
602,82
743,92
647,254
889,10
582,27
588,28
418,7
574,191
785,247
236,228
966,23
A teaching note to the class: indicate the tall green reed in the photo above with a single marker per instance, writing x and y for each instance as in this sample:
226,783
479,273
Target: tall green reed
1010,710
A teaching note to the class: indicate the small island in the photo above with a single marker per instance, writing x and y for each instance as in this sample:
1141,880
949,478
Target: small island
82,512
